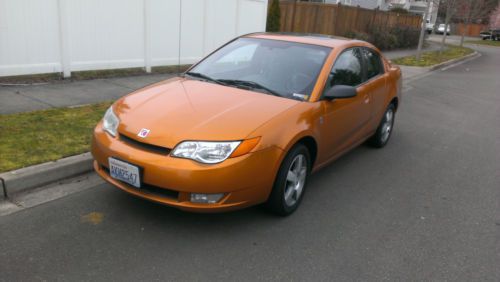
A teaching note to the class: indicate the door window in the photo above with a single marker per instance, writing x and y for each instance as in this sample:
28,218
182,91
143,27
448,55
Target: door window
374,65
347,69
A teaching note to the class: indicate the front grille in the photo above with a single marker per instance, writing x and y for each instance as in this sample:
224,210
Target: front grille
145,146
162,192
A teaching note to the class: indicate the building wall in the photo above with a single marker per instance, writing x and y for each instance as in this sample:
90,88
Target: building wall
75,35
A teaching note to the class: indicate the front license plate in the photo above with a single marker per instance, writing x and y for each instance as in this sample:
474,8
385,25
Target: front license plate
125,172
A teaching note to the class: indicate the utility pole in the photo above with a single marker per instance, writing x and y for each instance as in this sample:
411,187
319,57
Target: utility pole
423,30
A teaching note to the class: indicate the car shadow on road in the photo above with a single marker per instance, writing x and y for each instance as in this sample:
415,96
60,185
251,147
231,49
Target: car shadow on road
322,185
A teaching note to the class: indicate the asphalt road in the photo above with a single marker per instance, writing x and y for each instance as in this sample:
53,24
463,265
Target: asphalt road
426,207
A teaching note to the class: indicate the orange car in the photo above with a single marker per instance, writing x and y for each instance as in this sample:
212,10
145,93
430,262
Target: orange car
248,123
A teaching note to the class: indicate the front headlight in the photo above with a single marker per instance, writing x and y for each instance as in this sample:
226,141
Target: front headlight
110,122
205,152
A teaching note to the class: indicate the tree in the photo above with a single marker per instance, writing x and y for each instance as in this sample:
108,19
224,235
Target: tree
423,30
273,17
473,10
495,18
450,7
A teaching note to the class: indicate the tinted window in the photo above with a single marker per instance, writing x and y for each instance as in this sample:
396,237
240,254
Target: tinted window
347,69
373,63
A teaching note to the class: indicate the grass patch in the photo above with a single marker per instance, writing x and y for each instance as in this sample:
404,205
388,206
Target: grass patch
94,74
31,79
484,42
41,136
431,58
86,75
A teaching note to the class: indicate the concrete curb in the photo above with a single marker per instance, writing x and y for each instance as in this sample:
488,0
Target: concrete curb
24,179
442,65
453,61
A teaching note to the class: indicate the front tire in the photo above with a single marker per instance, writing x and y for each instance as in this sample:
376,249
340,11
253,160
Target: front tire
291,180
384,130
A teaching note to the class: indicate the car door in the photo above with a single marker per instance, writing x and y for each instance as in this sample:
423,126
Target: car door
345,120
375,84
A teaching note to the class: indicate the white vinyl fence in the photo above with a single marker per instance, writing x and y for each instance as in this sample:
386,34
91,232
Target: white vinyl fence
45,36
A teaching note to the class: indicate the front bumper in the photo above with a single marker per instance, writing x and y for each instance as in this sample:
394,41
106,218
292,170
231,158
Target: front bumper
245,181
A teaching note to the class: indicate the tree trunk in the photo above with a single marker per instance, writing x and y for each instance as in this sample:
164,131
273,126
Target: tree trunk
466,27
467,21
443,40
423,30
445,32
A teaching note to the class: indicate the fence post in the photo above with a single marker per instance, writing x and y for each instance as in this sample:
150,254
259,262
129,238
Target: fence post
179,38
337,16
374,17
316,27
293,15
205,25
237,23
147,34
64,38
356,18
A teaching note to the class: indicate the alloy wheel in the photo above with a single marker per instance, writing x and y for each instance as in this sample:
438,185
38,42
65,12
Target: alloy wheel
387,126
295,180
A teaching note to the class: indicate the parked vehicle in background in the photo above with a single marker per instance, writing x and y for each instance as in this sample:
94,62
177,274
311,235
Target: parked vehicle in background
440,29
429,27
492,34
249,123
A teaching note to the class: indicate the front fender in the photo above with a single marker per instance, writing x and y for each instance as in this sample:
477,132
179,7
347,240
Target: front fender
288,127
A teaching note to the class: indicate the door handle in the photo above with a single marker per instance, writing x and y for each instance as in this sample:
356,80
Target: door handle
366,99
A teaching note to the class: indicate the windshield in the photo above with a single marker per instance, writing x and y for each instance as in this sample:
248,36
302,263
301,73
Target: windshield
280,68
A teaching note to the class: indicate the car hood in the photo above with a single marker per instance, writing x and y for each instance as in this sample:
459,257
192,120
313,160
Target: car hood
183,109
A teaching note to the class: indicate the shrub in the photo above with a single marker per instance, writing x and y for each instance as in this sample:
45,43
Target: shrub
273,17
407,36
384,39
358,35
399,10
388,38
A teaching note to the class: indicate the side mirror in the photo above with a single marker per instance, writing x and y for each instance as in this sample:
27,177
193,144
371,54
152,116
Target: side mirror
340,92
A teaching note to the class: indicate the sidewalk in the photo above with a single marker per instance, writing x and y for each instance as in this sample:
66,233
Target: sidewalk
15,99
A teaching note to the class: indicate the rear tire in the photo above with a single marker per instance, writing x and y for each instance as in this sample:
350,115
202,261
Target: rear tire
291,181
384,130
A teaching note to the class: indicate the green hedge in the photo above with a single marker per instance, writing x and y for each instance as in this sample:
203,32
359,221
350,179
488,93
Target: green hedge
388,39
273,17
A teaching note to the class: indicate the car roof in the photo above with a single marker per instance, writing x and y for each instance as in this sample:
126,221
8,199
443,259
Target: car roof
309,38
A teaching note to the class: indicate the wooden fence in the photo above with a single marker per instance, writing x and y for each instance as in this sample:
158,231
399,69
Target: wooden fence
472,29
338,20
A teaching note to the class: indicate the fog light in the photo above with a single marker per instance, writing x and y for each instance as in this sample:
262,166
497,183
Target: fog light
206,198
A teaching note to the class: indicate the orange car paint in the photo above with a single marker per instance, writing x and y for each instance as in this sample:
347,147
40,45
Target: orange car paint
181,109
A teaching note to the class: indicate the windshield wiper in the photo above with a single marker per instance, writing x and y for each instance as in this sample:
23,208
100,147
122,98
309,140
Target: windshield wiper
204,76
250,84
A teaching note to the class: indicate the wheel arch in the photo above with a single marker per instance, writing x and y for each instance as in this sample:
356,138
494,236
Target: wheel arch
395,102
307,140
